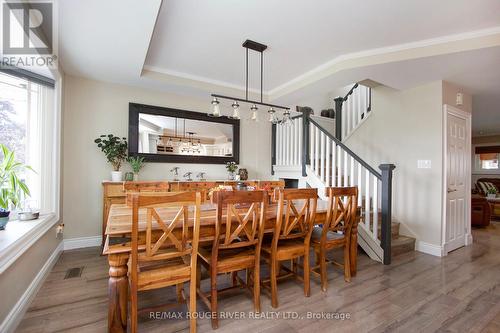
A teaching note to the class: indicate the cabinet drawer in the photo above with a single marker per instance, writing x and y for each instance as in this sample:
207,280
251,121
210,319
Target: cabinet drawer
114,190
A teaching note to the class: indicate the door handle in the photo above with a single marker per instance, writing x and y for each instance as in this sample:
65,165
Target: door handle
449,191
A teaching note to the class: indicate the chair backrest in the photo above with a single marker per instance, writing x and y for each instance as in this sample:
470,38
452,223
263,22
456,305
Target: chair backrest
342,209
271,186
233,183
203,187
295,214
145,186
169,214
240,218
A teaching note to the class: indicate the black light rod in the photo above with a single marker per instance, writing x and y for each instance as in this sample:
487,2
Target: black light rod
250,101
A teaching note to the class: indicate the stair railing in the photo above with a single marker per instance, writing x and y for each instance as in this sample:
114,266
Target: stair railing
351,110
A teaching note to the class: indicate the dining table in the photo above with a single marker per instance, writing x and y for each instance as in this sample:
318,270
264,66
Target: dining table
117,247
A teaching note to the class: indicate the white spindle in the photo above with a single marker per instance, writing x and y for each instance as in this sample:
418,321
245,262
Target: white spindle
279,145
346,173
311,144
367,200
316,152
322,165
339,166
360,181
375,207
351,172
334,164
299,158
297,127
328,167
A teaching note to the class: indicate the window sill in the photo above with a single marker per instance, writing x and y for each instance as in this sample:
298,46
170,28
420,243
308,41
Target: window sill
18,237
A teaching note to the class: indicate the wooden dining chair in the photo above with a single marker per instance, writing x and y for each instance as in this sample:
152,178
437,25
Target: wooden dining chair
145,186
271,186
239,227
203,187
335,231
169,259
291,239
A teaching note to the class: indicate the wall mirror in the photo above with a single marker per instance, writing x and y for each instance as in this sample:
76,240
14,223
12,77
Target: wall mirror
171,135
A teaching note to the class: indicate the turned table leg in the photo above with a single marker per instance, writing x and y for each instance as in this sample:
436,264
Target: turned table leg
118,292
353,251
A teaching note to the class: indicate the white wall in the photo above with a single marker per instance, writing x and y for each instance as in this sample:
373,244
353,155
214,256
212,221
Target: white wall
406,126
93,108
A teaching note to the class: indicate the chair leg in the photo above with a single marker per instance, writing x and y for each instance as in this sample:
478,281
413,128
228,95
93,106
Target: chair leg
213,297
233,278
307,282
192,301
133,312
322,266
247,277
256,287
274,283
347,263
180,292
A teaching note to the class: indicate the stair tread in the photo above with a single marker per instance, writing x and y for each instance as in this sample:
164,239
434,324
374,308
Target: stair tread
402,240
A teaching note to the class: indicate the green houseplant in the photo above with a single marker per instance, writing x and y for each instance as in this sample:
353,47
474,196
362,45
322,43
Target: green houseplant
136,163
115,150
491,192
12,189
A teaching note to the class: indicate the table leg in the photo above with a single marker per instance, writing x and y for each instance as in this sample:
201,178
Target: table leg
353,251
118,292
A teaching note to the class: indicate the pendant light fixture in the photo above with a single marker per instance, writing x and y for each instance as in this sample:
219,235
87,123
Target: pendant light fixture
260,48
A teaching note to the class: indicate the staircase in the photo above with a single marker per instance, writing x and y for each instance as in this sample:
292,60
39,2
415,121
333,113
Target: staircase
308,152
352,110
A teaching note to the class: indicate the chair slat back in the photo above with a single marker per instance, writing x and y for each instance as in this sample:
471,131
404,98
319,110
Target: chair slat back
296,213
170,214
342,209
145,186
271,186
203,187
239,218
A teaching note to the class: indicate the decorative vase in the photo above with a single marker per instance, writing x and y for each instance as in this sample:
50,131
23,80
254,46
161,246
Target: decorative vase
325,113
243,174
491,195
136,177
230,175
129,176
116,176
4,218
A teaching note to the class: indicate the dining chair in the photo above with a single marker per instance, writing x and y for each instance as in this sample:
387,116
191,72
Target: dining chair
239,226
295,217
169,259
271,186
203,187
145,186
336,231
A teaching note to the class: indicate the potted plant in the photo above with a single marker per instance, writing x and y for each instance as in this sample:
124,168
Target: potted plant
136,163
491,193
12,189
115,150
231,168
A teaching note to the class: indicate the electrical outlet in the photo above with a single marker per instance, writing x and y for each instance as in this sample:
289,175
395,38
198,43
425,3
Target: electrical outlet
424,164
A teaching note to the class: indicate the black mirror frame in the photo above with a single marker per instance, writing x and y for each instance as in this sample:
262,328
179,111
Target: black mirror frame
133,135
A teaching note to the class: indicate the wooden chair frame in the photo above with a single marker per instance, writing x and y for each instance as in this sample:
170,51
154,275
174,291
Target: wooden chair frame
235,230
203,187
145,186
292,224
160,250
341,218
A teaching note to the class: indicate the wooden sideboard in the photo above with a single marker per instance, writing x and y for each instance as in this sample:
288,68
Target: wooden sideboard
114,193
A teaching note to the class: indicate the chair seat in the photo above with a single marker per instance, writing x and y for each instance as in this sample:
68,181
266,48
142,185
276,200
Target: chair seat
159,274
229,260
333,239
287,249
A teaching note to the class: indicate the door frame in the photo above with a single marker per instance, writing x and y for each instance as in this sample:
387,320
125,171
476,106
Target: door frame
448,109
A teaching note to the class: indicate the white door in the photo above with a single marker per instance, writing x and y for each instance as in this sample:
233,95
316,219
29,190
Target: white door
456,179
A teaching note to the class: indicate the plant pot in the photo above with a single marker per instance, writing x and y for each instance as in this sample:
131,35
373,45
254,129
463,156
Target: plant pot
136,177
116,176
231,176
491,195
4,218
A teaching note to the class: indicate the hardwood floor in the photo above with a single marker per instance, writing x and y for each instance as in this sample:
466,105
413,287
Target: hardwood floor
418,292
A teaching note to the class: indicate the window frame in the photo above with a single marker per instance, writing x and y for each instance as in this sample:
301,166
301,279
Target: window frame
476,162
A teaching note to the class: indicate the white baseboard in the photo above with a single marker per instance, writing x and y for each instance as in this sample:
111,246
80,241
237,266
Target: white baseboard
81,242
431,249
16,314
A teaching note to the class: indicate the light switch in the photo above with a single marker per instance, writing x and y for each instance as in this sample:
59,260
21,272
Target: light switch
424,164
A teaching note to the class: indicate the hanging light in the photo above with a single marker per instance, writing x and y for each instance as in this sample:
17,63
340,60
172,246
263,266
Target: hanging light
216,109
236,110
287,121
272,116
254,116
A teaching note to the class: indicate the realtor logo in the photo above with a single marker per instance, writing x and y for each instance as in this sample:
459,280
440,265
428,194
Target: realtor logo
28,33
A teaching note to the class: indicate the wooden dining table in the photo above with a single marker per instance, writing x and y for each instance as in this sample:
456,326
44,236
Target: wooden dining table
118,247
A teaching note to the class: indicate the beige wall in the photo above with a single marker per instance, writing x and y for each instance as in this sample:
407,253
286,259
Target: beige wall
93,108
406,126
450,91
17,278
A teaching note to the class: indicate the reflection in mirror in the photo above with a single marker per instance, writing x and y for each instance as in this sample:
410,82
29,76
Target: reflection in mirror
178,136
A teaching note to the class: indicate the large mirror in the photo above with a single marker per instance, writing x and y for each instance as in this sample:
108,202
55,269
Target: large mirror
172,135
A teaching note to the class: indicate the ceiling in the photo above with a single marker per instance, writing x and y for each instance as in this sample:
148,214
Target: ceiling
194,48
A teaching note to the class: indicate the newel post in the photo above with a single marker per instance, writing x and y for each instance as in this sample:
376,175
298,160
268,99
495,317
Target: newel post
306,113
338,117
386,198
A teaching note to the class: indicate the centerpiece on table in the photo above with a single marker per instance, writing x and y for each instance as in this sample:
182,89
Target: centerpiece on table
231,168
115,150
12,189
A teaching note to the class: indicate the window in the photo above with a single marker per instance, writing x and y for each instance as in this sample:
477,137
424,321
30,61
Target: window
486,158
26,120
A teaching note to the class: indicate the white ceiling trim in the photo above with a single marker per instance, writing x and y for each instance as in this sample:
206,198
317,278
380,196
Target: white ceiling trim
425,48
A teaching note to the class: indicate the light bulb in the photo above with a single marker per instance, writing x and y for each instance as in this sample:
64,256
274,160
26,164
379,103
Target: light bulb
272,116
254,109
286,119
216,109
236,110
